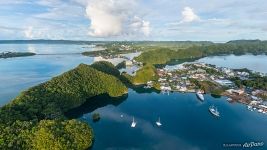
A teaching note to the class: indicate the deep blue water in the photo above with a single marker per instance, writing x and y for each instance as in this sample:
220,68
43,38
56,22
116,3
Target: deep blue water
187,124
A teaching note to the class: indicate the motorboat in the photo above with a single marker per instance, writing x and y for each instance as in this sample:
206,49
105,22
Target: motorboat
158,123
213,110
133,123
200,96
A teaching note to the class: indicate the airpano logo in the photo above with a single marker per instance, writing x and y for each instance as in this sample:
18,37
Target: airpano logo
253,144
244,145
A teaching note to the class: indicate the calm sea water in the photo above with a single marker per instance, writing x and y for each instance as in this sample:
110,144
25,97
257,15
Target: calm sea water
187,124
256,63
45,48
17,74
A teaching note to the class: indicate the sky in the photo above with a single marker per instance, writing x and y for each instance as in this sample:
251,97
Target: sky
167,20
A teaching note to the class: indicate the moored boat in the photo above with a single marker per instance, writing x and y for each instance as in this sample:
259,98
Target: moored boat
133,123
213,110
200,96
158,123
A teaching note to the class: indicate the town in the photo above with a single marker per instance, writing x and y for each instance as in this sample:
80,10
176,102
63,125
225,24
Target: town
205,78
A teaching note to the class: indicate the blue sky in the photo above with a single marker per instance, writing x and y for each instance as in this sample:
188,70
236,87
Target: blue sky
213,20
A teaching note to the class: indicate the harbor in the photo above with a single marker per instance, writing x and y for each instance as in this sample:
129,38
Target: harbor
201,78
177,112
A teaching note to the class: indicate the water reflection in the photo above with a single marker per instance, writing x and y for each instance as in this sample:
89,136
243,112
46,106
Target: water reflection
140,89
94,103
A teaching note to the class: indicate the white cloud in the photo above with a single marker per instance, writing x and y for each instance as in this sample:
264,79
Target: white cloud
115,18
140,25
189,15
29,32
36,32
105,19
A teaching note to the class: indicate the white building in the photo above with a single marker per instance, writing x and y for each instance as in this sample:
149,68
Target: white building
166,88
224,82
128,63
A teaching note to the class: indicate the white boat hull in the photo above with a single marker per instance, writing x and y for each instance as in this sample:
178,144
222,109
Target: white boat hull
158,124
214,113
133,124
200,96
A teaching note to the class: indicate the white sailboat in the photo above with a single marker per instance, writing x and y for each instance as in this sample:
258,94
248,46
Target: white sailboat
158,123
133,123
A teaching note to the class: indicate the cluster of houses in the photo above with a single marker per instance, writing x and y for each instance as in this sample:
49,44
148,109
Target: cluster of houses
171,81
258,103
178,79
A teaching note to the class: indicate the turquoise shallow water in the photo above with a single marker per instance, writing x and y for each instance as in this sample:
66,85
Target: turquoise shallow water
187,124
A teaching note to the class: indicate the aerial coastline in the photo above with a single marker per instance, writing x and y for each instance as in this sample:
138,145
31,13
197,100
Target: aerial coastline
238,85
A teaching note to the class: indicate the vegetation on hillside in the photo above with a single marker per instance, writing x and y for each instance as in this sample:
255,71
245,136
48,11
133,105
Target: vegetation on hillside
145,74
121,65
256,82
35,119
47,134
106,67
209,87
166,55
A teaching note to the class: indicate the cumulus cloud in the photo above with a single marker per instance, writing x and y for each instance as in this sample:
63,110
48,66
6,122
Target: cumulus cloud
142,25
105,19
33,32
188,15
29,32
115,18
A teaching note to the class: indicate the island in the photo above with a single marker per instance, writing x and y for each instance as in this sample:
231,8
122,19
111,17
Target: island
175,52
35,119
167,55
15,54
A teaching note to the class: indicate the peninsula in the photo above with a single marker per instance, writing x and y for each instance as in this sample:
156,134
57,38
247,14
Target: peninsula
15,54
35,119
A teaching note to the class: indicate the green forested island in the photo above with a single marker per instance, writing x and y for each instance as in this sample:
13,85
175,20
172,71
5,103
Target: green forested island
35,119
15,54
165,55
170,51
